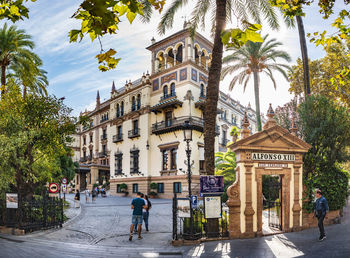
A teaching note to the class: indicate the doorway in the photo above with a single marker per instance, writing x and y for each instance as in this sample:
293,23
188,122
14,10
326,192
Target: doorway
272,211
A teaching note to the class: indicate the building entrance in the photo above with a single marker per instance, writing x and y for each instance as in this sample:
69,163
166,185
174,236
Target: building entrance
267,194
272,203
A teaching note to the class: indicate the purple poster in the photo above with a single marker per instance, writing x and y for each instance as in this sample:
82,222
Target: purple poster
212,184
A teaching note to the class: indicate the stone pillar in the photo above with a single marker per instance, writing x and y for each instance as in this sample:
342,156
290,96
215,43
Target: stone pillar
153,62
156,64
94,174
206,62
234,205
175,52
165,61
249,211
296,205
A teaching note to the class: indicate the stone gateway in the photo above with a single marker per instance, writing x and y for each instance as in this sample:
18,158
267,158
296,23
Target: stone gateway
276,153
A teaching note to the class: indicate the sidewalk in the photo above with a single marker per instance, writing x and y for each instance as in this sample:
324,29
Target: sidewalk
295,244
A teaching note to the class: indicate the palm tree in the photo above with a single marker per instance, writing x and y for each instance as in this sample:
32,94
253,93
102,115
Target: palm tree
254,58
222,11
30,77
304,55
15,50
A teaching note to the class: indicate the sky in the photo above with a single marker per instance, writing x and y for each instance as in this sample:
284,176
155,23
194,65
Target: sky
73,70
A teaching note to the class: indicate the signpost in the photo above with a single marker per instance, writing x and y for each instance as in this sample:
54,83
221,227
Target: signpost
212,185
194,201
53,188
11,200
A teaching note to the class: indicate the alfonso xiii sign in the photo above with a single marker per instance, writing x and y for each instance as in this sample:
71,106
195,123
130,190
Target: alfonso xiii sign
273,156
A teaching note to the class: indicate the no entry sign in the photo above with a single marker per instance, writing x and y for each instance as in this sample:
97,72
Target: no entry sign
53,188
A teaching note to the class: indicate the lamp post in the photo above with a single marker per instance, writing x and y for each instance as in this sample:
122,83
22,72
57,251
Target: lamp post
188,138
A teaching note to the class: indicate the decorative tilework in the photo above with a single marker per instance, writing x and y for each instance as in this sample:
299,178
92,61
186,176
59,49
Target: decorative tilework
183,74
203,78
169,77
194,75
155,84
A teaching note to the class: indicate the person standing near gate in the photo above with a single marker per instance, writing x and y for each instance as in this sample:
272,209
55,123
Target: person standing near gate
137,205
77,199
321,210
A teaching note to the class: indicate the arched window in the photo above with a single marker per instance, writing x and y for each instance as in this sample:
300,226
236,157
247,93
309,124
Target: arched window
122,109
202,90
172,89
118,110
165,91
133,104
179,55
138,101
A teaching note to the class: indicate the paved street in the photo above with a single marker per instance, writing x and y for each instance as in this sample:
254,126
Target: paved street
101,230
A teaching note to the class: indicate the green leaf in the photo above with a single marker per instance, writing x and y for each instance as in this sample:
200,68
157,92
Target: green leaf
14,10
253,36
73,35
131,16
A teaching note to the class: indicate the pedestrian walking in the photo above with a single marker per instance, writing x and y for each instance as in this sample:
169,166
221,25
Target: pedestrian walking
77,199
146,211
321,210
137,205
94,195
87,194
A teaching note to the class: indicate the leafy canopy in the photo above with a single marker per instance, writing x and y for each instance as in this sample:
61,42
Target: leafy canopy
325,75
33,134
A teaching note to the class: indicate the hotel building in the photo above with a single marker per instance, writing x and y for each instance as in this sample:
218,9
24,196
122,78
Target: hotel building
136,136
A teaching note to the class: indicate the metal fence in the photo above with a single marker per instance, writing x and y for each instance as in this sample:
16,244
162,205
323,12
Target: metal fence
42,212
201,227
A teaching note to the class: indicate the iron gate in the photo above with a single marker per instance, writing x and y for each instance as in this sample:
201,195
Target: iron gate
200,227
273,202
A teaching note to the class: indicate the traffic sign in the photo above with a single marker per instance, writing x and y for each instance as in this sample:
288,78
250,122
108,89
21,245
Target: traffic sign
194,201
53,188
64,180
64,188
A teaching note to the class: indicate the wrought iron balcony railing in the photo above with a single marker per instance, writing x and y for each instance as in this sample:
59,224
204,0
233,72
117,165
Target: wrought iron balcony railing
134,133
177,123
117,138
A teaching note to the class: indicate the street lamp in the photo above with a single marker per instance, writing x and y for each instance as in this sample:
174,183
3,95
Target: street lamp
187,129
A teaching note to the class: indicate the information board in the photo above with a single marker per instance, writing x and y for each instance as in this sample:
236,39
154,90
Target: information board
11,200
212,207
183,207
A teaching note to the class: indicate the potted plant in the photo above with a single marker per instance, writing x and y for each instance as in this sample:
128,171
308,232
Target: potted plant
152,194
123,188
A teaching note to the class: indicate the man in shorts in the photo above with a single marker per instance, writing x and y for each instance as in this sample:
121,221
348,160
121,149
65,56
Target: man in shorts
137,205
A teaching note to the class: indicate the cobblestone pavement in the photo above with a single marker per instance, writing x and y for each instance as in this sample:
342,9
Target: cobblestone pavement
101,229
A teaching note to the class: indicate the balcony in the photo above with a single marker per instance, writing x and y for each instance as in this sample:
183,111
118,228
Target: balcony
117,138
176,124
83,159
134,133
102,154
167,101
103,137
103,120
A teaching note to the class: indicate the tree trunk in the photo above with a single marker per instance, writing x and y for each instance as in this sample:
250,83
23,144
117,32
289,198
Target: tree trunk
257,100
3,79
210,110
304,55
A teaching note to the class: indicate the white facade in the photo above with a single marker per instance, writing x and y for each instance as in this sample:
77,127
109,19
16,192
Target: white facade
136,136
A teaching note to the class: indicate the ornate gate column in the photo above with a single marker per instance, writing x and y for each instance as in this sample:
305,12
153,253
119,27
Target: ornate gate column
234,205
248,211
